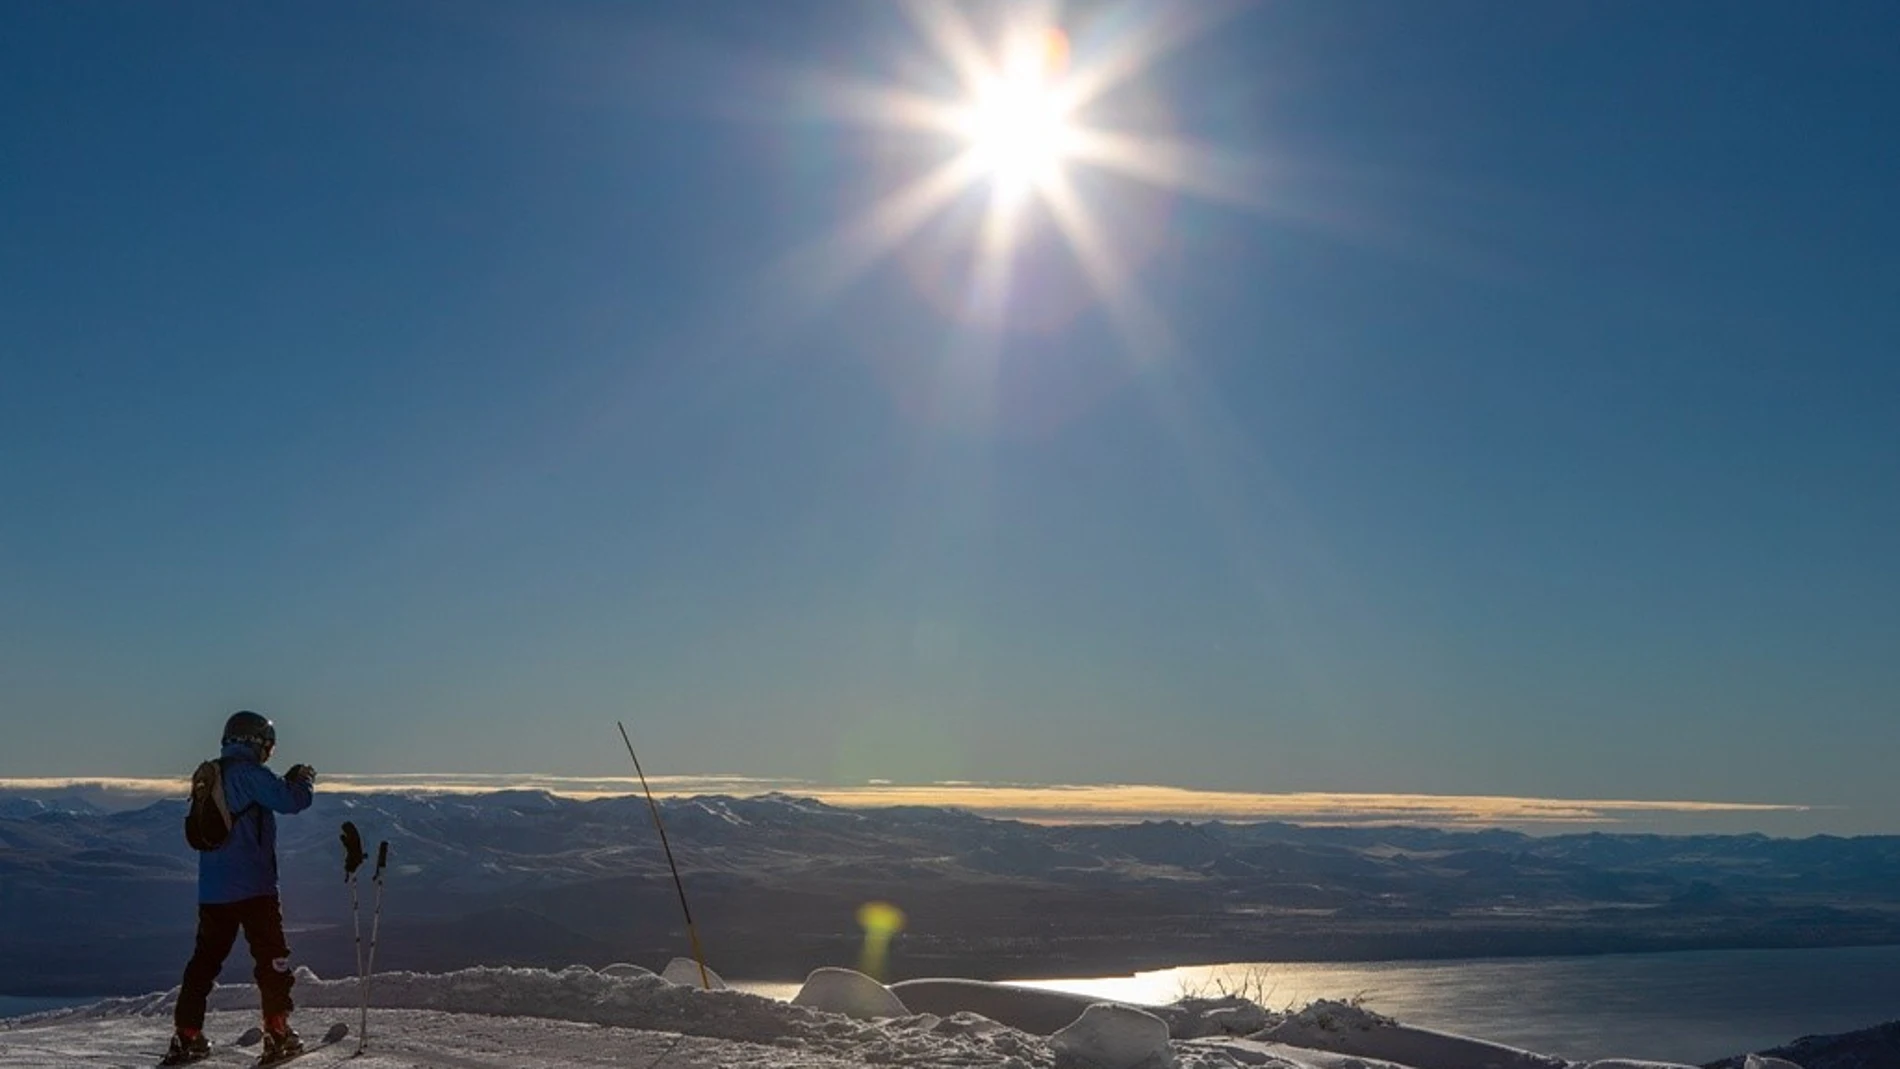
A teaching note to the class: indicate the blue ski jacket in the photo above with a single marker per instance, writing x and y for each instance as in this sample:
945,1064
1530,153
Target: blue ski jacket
246,865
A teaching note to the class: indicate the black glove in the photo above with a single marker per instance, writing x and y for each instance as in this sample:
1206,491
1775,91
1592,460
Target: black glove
352,849
303,774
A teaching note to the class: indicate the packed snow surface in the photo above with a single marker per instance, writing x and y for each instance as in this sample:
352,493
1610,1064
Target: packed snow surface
1114,1037
536,1019
692,974
850,993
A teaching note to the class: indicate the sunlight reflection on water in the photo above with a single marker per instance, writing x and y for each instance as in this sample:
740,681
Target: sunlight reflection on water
1692,1007
1687,1007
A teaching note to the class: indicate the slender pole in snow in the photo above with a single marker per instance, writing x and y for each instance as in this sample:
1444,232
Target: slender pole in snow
691,932
356,924
375,926
353,860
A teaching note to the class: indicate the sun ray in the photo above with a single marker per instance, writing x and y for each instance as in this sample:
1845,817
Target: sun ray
878,105
1141,326
1175,165
990,269
955,39
1131,52
1269,189
966,391
838,260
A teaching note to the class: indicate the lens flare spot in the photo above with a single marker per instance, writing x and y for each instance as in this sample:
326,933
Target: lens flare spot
881,917
1055,52
880,921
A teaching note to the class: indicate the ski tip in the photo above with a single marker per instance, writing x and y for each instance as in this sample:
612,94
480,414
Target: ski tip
252,1037
337,1031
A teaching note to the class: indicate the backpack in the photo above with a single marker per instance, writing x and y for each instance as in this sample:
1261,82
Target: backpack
208,820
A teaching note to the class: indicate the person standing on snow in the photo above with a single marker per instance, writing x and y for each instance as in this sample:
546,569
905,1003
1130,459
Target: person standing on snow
237,888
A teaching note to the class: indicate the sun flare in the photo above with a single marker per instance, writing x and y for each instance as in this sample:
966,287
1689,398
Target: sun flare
1018,119
1025,122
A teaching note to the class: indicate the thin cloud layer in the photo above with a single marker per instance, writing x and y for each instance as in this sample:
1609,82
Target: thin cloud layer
1042,803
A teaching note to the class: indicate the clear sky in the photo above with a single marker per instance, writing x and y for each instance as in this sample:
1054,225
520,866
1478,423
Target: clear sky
1462,398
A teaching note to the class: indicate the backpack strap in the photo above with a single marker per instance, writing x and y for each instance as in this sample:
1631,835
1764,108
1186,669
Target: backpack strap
217,796
224,765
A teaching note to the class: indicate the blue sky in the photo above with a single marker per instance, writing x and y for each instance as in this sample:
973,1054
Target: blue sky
1512,406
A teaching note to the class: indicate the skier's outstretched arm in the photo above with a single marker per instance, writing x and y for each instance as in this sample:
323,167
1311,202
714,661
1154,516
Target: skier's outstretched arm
282,794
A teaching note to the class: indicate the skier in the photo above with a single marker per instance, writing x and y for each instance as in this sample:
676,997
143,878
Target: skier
237,888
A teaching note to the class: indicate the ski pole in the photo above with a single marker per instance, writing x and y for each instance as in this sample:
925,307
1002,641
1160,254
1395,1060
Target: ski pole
691,932
353,860
375,926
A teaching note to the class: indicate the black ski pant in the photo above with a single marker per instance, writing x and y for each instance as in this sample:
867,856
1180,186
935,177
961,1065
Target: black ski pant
263,922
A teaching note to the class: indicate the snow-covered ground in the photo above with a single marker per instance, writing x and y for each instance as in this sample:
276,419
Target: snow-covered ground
626,1016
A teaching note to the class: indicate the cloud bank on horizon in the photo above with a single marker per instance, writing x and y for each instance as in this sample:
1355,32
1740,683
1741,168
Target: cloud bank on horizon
1049,803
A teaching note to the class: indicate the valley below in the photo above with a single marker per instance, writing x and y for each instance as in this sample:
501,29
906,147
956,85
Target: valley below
102,903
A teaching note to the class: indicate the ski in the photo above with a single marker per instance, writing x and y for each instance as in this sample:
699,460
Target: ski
251,1037
335,1035
166,1058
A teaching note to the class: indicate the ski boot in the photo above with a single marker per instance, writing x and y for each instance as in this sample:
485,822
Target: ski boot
188,1045
281,1042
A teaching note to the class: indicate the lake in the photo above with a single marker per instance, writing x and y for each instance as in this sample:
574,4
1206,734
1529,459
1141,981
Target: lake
1687,1007
14,1006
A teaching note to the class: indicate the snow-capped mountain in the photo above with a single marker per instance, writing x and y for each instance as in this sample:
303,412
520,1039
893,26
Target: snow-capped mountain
17,806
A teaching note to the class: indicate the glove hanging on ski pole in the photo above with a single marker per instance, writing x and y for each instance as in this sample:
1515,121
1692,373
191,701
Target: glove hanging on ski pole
353,855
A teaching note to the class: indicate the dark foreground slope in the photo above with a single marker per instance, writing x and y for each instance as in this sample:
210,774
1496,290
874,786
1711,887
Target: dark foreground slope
1869,1048
102,902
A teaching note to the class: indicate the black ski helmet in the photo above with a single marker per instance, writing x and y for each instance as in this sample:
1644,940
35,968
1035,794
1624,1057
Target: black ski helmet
246,726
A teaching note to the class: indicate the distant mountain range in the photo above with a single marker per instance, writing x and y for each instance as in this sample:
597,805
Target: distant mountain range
94,902
25,806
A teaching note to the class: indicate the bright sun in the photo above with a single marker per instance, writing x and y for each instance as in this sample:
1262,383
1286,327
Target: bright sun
1018,121
1024,121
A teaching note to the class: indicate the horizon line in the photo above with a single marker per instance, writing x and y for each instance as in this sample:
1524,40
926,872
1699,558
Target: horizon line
1036,803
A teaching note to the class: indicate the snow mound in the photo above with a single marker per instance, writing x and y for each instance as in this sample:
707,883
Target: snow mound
1753,1061
1208,1053
1031,1009
1110,1035
1344,1028
1043,1012
849,992
1229,1015
625,969
685,971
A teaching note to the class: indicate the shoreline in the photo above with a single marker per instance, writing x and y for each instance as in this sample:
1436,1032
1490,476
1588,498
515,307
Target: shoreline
1085,967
